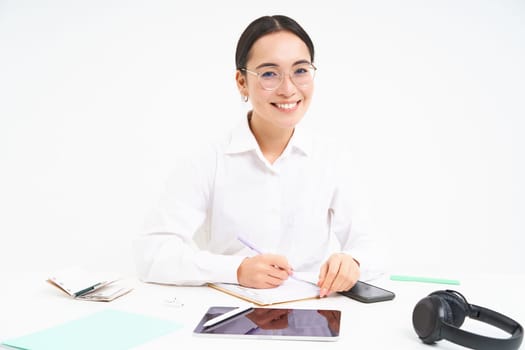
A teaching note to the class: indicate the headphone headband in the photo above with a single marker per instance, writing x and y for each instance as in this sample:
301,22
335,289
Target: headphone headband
480,342
435,318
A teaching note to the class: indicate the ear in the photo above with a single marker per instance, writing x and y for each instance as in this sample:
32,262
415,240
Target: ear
240,79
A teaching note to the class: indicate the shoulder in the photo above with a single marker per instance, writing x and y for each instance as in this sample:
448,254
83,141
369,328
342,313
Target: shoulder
332,153
209,152
326,146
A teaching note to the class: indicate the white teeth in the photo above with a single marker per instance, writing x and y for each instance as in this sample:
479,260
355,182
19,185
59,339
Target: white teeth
286,105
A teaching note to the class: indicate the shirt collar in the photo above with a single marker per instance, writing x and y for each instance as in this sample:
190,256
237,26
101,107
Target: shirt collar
242,139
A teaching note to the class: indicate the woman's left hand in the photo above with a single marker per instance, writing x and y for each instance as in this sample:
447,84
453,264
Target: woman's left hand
339,273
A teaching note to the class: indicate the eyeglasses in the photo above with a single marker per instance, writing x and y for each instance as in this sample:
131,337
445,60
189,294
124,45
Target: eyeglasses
271,78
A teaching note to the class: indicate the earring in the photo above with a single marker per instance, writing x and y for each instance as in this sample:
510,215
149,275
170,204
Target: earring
244,98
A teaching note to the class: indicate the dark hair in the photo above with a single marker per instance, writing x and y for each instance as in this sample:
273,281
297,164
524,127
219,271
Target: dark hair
266,25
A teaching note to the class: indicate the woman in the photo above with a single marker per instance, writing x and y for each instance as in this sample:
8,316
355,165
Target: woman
269,182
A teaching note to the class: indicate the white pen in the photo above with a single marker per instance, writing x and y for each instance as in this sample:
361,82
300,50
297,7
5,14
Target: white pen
227,315
249,245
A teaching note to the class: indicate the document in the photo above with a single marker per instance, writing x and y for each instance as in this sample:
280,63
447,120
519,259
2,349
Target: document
291,290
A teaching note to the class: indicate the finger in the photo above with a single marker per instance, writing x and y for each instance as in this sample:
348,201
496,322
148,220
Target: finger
348,276
331,275
343,278
279,261
277,273
322,274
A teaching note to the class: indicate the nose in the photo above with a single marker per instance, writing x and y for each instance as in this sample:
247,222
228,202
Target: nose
287,87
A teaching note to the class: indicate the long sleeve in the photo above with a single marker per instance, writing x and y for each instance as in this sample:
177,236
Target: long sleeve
167,251
351,222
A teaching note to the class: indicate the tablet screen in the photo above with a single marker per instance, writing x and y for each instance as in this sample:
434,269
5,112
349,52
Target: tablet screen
274,323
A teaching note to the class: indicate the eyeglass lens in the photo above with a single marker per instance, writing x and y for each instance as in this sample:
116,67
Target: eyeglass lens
271,77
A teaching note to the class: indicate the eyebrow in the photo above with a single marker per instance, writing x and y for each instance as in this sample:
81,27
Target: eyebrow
269,64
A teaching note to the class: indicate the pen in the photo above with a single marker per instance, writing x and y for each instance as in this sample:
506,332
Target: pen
227,315
249,245
87,290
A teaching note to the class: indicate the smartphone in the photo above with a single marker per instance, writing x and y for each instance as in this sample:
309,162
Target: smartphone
368,293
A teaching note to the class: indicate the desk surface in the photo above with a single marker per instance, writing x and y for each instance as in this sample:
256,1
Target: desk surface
29,304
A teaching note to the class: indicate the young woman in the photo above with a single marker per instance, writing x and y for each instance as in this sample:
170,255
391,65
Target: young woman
270,185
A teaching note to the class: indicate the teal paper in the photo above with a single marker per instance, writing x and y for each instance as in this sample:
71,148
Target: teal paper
104,330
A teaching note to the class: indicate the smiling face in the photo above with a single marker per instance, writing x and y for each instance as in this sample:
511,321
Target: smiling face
285,106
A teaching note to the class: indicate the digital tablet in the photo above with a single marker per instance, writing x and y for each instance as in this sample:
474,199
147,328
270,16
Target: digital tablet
272,323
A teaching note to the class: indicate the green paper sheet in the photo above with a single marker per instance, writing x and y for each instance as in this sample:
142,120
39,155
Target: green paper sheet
104,330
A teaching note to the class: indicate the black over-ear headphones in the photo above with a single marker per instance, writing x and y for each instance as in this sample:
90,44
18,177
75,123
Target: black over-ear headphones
440,314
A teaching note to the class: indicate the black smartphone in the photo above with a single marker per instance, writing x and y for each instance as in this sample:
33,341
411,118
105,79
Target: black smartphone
368,293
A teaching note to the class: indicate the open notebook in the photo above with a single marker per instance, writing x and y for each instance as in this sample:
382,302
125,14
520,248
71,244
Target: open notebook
81,283
292,289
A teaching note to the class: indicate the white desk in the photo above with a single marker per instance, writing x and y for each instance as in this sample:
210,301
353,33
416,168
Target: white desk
29,304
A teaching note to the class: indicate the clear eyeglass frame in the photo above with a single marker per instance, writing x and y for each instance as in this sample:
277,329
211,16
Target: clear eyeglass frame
270,78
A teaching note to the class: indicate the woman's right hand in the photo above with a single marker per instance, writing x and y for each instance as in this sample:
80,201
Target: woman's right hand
263,271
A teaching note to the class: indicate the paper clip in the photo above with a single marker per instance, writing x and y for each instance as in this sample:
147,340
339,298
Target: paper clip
173,302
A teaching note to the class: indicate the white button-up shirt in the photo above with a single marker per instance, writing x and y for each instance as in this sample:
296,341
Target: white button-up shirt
299,207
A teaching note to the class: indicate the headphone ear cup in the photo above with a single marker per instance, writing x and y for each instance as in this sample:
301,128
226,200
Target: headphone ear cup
427,317
458,310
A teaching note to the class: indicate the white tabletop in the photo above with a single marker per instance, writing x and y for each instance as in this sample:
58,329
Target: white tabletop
29,304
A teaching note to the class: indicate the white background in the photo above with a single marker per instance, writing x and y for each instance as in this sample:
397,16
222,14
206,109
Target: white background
99,98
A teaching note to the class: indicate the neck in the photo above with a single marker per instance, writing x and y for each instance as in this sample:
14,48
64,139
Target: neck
271,139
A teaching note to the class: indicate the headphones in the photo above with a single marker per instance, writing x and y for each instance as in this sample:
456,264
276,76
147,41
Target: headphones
440,314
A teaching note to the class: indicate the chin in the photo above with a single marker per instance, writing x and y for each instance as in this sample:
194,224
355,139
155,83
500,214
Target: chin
291,123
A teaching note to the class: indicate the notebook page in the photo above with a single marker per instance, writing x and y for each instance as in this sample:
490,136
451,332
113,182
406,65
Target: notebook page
290,290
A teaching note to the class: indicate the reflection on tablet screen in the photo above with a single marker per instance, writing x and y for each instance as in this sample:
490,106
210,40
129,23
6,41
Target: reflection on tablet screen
276,323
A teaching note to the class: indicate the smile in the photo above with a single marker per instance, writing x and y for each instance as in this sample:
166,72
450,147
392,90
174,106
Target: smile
286,105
